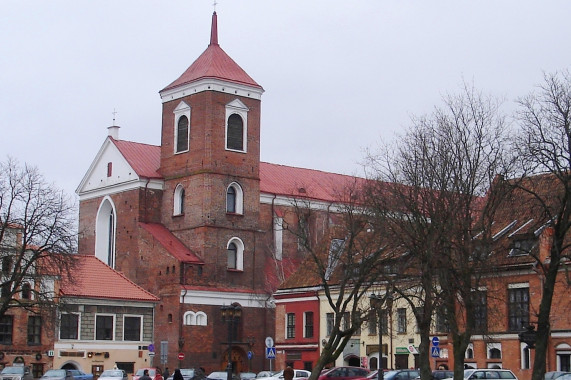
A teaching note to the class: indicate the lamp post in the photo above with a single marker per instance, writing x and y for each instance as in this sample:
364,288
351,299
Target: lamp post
377,302
230,314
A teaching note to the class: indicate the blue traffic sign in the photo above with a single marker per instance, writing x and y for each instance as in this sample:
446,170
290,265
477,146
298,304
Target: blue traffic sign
250,354
435,352
270,352
435,341
151,347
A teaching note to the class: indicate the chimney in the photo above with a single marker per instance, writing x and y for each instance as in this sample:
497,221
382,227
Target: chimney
114,132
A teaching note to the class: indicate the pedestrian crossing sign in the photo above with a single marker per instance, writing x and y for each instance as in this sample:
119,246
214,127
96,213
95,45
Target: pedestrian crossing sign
270,352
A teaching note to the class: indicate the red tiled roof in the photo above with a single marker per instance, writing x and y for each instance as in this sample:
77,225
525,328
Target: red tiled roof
144,159
214,63
94,279
171,243
305,183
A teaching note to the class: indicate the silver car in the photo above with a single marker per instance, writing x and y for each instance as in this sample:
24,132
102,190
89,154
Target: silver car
16,373
113,374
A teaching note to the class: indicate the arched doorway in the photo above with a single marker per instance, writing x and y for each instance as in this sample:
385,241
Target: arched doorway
70,365
239,360
353,360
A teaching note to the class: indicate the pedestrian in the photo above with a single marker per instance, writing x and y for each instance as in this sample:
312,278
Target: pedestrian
145,375
166,373
288,373
177,375
199,374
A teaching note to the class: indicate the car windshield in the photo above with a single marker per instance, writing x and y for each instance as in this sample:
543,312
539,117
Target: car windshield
112,373
55,373
12,370
217,375
187,372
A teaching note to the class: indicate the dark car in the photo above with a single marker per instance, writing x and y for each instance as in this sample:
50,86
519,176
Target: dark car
344,373
187,374
440,374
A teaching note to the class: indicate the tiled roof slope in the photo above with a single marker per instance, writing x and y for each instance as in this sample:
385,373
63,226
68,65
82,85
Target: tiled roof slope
305,183
171,243
144,159
274,179
214,63
94,279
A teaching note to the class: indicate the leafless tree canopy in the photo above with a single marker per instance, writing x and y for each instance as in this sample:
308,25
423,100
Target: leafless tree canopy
37,237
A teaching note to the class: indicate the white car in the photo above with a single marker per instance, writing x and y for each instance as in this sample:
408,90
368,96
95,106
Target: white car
488,373
298,374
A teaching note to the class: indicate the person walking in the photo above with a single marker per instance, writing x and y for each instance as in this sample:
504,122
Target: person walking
288,373
177,375
145,375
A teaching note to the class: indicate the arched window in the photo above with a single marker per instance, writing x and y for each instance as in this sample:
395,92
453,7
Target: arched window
26,291
181,127
179,198
191,318
235,253
234,199
105,230
235,133
182,134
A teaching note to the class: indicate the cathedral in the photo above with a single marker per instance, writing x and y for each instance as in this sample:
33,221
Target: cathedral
198,220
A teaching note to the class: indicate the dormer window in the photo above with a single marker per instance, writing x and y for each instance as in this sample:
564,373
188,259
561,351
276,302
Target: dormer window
236,126
522,246
181,128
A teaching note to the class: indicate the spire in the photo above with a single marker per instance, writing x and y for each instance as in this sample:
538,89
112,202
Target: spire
214,30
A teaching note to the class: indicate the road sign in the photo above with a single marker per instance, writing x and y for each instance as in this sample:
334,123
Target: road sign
151,354
250,354
270,352
435,341
269,342
435,352
151,347
181,356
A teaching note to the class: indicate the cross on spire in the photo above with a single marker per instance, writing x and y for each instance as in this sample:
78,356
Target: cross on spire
114,114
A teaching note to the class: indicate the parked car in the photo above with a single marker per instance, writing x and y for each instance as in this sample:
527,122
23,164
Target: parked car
221,376
554,375
298,374
344,373
154,373
80,375
265,374
440,374
113,374
488,373
187,374
402,374
57,374
16,373
247,375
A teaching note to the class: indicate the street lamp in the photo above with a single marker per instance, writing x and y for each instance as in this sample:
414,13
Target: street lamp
377,302
230,314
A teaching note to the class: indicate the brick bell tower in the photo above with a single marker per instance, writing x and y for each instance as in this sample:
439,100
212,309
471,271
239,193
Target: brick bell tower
210,158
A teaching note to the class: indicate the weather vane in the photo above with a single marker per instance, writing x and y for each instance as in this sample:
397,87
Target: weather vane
214,5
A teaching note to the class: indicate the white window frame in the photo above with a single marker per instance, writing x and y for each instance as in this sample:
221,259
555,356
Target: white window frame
102,236
470,347
240,109
191,318
239,206
522,354
78,327
95,326
490,346
140,331
177,209
182,109
278,237
239,252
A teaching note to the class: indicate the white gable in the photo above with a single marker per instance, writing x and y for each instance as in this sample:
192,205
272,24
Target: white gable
96,182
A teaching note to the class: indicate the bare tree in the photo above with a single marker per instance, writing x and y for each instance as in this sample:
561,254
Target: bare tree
544,146
441,169
345,257
37,235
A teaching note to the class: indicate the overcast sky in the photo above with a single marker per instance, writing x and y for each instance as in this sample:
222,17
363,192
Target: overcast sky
339,75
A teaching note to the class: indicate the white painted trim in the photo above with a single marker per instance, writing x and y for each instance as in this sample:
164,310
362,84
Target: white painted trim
154,184
114,316
211,84
518,285
142,318
90,346
298,299
182,109
239,252
285,346
213,298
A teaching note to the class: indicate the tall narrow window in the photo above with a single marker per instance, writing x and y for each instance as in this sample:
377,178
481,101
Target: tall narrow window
235,133
164,351
109,169
232,254
518,308
401,320
179,199
330,320
384,322
34,330
290,326
6,327
372,322
26,291
105,230
480,300
278,237
182,134
308,324
234,199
